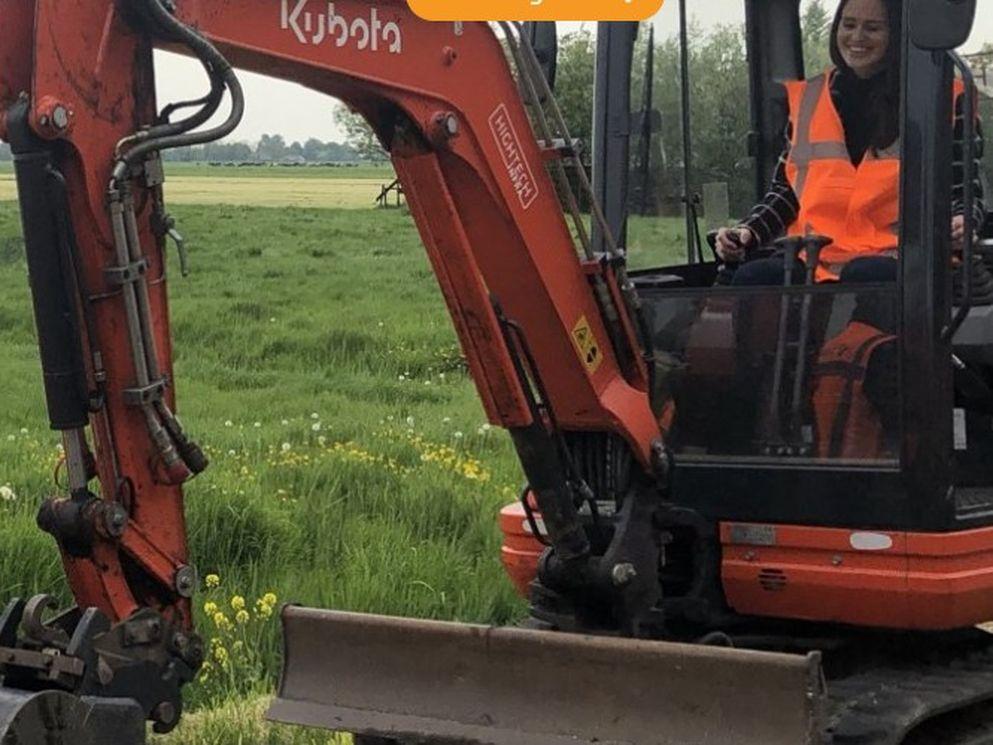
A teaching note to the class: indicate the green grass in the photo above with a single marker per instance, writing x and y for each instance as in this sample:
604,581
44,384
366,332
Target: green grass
351,467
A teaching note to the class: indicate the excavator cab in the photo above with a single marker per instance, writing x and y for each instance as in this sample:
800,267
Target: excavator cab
804,458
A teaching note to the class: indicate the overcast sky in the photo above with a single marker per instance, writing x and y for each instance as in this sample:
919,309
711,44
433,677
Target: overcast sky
273,106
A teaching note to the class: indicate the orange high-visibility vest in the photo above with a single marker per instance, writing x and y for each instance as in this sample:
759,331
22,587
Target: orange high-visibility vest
848,425
857,206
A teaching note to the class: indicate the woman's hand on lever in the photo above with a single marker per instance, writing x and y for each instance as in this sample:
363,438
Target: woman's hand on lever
958,233
734,243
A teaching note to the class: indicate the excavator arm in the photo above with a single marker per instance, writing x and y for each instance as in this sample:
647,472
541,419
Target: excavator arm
551,331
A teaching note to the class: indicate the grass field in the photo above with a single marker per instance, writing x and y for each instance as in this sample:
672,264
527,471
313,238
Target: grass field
261,186
351,464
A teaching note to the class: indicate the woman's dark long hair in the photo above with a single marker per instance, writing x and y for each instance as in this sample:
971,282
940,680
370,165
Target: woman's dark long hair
883,111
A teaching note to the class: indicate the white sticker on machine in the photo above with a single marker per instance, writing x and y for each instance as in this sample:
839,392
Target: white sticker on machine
518,169
958,430
863,541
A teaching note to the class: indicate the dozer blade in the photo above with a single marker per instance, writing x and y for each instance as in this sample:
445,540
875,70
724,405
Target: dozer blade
429,681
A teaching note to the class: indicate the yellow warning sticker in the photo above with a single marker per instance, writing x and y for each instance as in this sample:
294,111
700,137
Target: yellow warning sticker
586,344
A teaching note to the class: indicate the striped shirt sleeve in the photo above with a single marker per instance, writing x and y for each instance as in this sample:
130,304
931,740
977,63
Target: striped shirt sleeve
770,218
958,171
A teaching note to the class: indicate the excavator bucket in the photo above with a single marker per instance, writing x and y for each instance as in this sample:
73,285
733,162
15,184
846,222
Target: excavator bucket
428,681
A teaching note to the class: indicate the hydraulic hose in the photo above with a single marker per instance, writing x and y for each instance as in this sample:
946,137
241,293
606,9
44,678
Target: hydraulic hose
209,103
212,59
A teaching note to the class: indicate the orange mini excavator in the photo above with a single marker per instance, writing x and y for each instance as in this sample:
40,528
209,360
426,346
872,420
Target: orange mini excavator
711,554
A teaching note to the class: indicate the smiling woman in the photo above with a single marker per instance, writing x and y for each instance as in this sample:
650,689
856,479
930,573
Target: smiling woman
839,173
863,37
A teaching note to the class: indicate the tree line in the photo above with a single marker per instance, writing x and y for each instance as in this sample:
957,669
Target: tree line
269,149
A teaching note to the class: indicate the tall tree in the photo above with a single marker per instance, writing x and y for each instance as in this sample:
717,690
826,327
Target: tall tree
816,37
270,148
574,82
359,135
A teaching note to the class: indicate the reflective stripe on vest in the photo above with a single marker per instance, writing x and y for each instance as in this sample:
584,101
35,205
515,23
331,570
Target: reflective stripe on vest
803,151
848,425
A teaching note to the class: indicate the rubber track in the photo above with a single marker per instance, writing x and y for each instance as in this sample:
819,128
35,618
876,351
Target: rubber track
883,704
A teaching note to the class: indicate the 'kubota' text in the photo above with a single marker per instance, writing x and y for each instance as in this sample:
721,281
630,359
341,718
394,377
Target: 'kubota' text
316,27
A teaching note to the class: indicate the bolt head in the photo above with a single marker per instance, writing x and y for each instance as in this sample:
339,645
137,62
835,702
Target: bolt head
623,573
164,713
115,519
60,117
185,581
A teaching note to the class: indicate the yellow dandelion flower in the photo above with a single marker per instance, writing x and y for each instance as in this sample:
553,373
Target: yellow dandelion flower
269,598
221,621
210,608
221,655
262,610
212,581
241,617
238,602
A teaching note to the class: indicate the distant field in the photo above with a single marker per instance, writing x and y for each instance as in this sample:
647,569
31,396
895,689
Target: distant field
261,186
377,171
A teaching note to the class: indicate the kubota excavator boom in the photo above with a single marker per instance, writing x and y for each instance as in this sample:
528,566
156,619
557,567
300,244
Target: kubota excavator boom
552,341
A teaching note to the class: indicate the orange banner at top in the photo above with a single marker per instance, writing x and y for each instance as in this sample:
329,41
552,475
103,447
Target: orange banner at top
535,10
